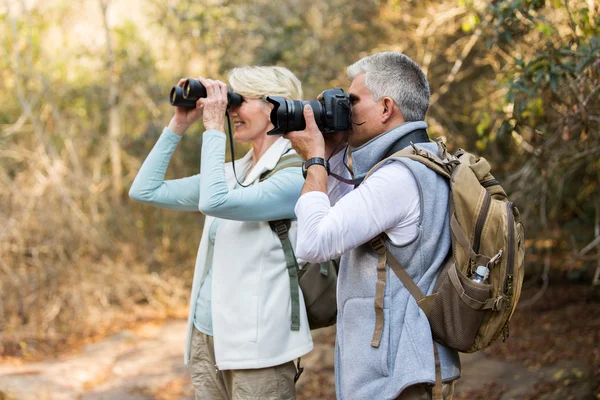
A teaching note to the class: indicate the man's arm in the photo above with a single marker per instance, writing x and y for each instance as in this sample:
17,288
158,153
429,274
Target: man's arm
310,143
316,180
387,202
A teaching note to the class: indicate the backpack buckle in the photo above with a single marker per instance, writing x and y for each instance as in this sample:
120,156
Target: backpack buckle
496,259
499,303
280,229
378,245
420,152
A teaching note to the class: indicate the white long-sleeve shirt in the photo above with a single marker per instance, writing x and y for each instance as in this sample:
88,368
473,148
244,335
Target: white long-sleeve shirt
330,225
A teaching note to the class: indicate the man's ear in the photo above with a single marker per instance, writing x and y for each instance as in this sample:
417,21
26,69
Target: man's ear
388,109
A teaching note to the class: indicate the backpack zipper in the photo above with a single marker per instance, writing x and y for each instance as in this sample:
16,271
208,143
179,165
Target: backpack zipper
489,183
485,208
510,266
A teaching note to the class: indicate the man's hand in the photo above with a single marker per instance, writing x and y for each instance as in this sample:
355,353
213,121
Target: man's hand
309,142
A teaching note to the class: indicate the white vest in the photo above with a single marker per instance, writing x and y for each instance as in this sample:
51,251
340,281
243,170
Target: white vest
251,305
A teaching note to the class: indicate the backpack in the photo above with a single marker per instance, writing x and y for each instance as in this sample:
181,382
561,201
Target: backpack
316,280
485,230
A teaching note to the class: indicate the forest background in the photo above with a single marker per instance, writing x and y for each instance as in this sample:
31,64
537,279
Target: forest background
84,95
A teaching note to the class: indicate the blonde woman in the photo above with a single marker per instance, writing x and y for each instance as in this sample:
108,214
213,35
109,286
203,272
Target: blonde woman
240,344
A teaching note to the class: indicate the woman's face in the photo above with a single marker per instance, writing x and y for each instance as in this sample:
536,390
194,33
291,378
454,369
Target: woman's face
251,120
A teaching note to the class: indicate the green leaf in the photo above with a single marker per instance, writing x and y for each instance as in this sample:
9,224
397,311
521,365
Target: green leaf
484,124
546,29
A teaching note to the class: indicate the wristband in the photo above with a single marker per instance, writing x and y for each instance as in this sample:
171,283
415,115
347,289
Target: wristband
314,161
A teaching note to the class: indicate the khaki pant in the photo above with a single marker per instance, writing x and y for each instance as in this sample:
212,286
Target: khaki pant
423,392
273,383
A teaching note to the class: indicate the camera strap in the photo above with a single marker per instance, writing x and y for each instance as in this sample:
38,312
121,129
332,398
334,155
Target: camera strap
417,136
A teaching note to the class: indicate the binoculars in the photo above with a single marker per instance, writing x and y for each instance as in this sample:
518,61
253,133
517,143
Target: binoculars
192,90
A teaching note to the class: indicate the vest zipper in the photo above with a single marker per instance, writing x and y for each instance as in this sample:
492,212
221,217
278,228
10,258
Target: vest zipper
481,221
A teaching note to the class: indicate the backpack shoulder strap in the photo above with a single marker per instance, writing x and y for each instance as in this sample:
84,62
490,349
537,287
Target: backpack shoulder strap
286,161
418,136
281,228
443,165
385,257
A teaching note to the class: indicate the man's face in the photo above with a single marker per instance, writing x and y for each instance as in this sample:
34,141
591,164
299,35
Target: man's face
366,113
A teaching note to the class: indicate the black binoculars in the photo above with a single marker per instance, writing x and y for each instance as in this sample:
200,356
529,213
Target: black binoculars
192,90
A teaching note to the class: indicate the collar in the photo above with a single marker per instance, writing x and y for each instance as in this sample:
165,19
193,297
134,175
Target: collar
267,161
366,156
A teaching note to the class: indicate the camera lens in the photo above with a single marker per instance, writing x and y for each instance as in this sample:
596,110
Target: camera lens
332,113
288,115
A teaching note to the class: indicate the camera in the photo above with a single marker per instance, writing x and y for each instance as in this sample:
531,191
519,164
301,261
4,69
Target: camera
332,113
193,90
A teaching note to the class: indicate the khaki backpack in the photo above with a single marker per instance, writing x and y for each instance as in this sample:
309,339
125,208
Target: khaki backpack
485,230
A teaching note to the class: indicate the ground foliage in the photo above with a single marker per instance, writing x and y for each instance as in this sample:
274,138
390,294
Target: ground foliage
84,97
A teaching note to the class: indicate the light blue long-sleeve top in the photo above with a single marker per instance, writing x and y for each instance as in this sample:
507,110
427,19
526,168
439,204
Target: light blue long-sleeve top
209,193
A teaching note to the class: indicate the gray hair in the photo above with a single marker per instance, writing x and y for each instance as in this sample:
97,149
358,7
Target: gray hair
395,75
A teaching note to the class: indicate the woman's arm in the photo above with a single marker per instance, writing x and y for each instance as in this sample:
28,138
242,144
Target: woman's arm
150,187
269,200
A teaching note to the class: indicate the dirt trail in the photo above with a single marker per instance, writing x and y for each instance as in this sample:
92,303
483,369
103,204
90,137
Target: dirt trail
127,366
148,364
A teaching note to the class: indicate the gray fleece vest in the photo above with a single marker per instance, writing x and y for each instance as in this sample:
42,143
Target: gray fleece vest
405,355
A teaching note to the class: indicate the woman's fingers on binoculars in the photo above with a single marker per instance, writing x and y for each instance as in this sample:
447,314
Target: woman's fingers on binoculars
181,82
215,103
213,87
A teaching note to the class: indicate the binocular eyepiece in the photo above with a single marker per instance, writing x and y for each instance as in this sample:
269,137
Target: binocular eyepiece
192,90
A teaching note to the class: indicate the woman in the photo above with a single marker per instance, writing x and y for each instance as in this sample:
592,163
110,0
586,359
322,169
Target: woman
239,342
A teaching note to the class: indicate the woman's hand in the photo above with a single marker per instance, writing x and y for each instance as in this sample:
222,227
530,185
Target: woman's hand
214,105
184,117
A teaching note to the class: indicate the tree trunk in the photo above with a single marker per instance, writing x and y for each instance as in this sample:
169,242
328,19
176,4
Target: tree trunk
114,115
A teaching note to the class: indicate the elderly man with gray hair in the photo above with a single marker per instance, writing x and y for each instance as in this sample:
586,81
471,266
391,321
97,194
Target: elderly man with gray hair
383,351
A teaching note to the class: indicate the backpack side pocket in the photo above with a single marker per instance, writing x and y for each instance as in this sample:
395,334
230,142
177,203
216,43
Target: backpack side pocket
458,310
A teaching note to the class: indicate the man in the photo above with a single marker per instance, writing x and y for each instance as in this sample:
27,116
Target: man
403,199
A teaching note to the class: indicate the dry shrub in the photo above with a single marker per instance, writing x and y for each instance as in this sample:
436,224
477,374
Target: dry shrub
73,263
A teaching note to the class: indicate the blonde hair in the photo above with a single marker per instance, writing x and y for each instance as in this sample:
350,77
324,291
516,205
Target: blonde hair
261,81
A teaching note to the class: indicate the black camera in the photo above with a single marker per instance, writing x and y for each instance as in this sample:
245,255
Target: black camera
332,113
192,90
